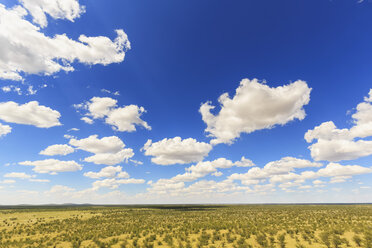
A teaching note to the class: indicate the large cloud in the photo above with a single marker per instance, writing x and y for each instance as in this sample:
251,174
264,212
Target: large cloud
4,130
111,158
279,167
123,119
255,106
57,9
93,144
176,184
176,151
282,171
24,48
57,150
333,144
337,170
30,113
204,168
107,150
52,166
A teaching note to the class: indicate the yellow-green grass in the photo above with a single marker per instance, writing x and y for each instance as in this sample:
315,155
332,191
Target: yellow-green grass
188,226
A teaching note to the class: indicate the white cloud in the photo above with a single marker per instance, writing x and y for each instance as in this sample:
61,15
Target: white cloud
217,174
337,150
6,89
113,183
244,162
25,49
60,189
333,144
201,188
52,166
20,175
282,172
30,113
67,136
318,182
11,88
339,179
4,130
111,158
337,170
136,162
99,107
176,184
255,106
39,180
107,150
176,151
8,181
109,171
115,93
369,98
31,90
93,144
123,119
87,120
57,150
277,171
57,9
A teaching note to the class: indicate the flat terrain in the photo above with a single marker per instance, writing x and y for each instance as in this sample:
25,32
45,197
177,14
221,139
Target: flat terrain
188,226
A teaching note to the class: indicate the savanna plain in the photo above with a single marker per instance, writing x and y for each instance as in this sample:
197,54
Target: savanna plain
187,226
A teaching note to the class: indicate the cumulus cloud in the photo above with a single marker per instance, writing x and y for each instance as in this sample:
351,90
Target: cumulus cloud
114,183
109,171
255,106
87,120
25,49
176,151
333,144
57,150
283,172
123,119
60,189
217,174
107,150
111,158
20,175
57,9
278,170
203,188
93,144
337,170
4,130
53,166
176,184
30,113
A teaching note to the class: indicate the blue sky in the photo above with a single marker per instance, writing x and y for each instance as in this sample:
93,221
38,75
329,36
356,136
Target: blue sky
145,76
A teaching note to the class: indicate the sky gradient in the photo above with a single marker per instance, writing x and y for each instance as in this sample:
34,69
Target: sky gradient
185,102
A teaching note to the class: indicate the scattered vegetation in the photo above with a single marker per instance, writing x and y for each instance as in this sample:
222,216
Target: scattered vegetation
238,226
